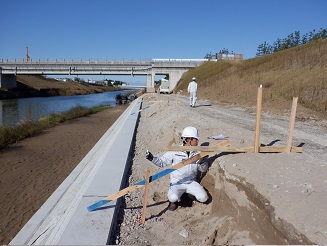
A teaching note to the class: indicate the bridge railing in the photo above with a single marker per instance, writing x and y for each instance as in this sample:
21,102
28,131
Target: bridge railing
181,60
69,61
98,61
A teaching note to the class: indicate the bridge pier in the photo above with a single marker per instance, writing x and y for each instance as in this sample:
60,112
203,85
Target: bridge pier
7,81
150,82
174,77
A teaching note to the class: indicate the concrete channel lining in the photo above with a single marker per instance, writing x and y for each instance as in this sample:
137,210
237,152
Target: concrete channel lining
64,219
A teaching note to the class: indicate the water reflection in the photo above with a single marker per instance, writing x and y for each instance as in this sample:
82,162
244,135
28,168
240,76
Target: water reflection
14,110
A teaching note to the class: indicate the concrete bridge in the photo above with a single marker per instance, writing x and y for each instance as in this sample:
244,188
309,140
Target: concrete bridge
173,68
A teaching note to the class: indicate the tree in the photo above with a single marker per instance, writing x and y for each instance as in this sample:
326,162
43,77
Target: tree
264,49
304,39
208,56
259,50
277,45
292,40
297,39
323,33
224,51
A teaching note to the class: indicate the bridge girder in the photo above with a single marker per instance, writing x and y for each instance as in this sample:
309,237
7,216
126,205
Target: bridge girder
174,69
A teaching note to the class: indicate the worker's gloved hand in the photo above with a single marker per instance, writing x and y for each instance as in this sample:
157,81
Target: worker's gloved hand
204,164
148,155
203,160
203,167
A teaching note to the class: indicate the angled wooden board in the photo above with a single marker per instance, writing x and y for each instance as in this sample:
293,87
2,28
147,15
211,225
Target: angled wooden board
152,178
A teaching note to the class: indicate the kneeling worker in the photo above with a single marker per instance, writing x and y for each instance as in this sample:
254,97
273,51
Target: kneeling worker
183,180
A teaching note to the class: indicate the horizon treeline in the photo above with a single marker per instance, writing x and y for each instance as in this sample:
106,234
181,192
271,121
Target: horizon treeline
292,40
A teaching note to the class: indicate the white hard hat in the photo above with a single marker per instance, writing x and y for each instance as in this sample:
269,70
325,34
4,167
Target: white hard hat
193,78
190,132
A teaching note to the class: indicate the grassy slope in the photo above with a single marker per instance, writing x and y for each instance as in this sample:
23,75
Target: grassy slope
298,72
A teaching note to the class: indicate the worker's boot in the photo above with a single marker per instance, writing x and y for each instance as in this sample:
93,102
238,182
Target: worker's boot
172,206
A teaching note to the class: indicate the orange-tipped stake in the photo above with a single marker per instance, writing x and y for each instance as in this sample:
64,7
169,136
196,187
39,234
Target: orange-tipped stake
258,121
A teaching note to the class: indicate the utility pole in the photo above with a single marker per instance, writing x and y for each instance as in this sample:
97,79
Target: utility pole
27,57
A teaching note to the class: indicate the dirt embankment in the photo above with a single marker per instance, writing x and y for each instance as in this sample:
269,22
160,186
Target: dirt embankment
34,86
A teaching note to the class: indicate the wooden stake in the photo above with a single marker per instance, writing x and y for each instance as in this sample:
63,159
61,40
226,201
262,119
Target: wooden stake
153,178
291,126
227,148
145,198
258,121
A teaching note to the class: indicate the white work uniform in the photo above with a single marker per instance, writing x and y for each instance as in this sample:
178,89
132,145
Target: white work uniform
192,89
183,179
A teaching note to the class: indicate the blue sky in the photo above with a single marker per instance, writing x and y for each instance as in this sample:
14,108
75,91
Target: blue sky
143,29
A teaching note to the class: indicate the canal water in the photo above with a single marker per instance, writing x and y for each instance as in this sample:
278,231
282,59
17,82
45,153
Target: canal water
13,111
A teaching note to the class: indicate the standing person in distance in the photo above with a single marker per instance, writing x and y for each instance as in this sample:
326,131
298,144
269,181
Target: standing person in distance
192,89
183,180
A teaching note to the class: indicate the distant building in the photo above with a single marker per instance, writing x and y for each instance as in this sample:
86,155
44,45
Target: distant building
233,57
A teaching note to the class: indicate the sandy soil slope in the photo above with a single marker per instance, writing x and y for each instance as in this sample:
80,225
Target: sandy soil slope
265,198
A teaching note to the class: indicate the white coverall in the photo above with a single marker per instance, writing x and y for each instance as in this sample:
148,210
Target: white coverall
192,88
183,179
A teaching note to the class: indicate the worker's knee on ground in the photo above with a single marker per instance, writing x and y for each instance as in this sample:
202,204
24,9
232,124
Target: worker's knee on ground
172,197
202,197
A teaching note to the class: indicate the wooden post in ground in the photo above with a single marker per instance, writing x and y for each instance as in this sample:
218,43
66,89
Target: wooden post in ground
258,121
145,198
291,126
